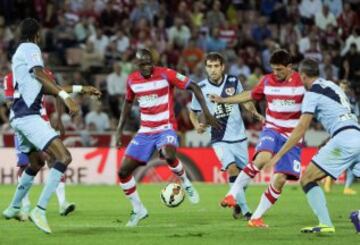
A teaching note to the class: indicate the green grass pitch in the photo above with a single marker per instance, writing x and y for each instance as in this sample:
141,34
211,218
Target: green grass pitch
102,212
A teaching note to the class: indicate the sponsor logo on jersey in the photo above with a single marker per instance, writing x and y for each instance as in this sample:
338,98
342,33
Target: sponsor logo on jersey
230,91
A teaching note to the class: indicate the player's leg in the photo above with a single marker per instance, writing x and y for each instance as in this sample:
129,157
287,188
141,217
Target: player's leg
327,184
349,180
128,185
316,198
25,183
65,207
168,152
245,177
138,152
268,199
264,149
23,162
355,215
56,149
166,143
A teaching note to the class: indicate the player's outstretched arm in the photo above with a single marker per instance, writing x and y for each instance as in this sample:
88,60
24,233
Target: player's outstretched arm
200,97
87,90
296,135
51,88
236,99
126,108
59,110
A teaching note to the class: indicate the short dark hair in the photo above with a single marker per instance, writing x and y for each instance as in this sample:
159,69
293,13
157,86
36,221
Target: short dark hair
143,52
280,57
310,67
214,56
29,27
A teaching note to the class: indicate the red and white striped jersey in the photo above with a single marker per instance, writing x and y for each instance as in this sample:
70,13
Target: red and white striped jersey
155,97
11,93
283,101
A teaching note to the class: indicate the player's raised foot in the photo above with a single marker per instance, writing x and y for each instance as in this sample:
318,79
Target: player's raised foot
135,218
26,211
229,201
349,191
236,212
192,194
355,219
67,208
257,223
13,213
38,217
318,229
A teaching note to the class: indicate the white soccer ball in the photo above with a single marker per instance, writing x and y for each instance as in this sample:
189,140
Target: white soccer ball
172,195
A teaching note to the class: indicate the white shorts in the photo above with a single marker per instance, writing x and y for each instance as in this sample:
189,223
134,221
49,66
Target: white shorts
228,153
340,153
33,133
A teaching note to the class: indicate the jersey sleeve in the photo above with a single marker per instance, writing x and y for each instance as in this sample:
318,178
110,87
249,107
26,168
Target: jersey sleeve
257,93
195,105
310,102
239,87
130,95
32,56
8,87
177,79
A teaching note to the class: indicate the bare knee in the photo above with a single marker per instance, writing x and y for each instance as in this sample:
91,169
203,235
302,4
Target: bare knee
65,158
261,159
169,154
232,170
127,168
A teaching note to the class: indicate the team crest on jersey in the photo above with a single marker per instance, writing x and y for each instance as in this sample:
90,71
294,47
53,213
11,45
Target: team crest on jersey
181,77
230,91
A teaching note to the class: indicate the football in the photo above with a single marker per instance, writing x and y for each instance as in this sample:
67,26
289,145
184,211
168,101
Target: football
172,195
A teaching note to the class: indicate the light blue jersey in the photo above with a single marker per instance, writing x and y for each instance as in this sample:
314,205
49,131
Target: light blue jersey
229,142
331,107
32,131
229,115
28,90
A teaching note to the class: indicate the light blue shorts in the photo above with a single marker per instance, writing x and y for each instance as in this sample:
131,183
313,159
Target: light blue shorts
340,153
33,133
228,153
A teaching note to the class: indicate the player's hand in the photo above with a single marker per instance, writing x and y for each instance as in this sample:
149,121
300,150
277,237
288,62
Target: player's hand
90,90
212,121
118,137
72,106
216,98
200,128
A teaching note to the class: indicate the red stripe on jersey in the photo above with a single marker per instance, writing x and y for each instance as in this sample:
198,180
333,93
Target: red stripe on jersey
155,109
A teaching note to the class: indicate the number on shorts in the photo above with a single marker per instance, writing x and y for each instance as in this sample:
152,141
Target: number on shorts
170,139
296,166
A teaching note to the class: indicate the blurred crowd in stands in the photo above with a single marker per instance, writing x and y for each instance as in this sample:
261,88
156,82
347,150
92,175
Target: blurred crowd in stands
94,42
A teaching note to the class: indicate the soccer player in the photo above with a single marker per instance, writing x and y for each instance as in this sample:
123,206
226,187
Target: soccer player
325,101
229,142
23,160
154,89
33,132
283,92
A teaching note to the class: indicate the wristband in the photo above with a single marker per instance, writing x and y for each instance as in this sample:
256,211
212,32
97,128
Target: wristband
77,88
63,95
